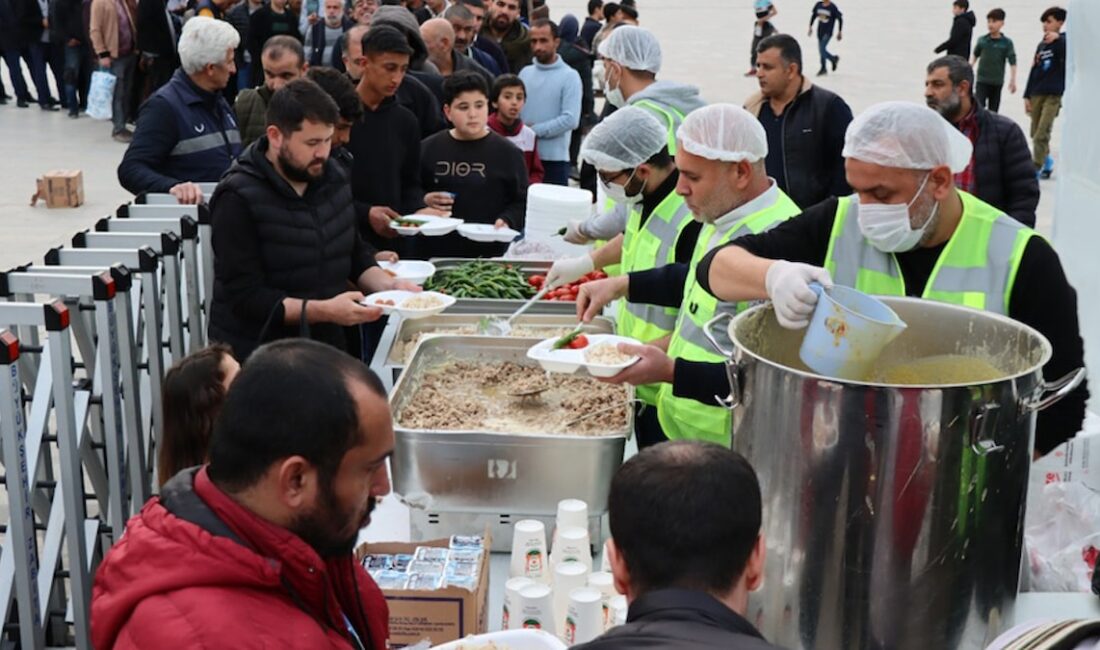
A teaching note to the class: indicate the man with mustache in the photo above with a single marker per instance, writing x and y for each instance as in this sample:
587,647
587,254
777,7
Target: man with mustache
255,548
285,235
1000,171
504,27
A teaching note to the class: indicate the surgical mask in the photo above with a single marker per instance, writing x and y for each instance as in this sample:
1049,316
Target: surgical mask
614,96
617,193
887,225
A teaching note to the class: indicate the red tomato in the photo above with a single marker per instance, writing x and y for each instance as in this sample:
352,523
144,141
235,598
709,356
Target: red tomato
578,343
536,280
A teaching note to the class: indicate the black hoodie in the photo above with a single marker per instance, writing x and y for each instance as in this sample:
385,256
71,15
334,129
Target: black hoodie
962,29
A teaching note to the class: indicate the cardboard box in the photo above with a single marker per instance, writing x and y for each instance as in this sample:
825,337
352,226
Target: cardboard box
442,615
62,188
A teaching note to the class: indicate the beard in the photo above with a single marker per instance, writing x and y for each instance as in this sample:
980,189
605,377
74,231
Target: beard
949,107
501,23
322,526
296,173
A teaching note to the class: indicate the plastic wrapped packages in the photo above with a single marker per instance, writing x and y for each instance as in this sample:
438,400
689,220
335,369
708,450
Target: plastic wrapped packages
1062,536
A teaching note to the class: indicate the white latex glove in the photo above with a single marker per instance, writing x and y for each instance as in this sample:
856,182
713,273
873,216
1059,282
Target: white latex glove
788,285
574,233
569,269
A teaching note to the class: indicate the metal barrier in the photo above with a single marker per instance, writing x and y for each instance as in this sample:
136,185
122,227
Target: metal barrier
34,579
204,260
148,315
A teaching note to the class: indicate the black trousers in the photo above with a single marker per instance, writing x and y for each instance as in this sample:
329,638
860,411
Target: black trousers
988,95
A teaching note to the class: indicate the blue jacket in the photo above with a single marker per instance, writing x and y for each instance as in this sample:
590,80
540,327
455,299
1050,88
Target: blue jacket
553,107
183,133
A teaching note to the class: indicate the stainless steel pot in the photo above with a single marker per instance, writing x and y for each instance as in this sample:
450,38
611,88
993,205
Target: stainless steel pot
893,515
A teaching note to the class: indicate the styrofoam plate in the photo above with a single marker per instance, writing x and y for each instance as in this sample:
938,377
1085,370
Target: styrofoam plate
508,640
399,297
567,361
411,270
431,226
486,232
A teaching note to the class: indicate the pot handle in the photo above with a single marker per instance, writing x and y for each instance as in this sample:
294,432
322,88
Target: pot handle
981,429
710,336
734,399
1049,394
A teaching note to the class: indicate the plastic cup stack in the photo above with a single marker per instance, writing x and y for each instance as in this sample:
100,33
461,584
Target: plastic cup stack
536,608
584,617
572,546
567,577
604,583
618,610
529,551
510,619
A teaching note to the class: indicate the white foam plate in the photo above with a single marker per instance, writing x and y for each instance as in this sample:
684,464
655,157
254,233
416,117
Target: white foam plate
567,361
486,232
432,226
411,270
399,297
511,639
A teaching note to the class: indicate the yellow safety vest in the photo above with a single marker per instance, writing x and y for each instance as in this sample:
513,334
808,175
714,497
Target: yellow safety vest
684,418
647,247
977,267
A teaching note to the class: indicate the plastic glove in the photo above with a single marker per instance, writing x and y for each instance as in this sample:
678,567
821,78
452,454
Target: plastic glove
574,233
788,285
569,269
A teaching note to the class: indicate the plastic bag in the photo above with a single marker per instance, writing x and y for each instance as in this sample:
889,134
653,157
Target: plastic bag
101,95
1063,537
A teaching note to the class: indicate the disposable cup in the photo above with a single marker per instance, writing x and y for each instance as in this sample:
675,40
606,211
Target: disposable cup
605,583
567,577
573,546
584,616
509,616
529,550
618,610
536,608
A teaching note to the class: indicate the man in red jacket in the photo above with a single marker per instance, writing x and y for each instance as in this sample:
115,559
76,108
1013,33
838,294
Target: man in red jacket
254,549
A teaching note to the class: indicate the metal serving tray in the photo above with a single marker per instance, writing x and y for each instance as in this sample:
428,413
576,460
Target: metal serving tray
493,306
496,474
389,361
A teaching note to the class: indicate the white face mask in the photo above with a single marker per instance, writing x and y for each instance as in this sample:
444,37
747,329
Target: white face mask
614,96
887,225
617,193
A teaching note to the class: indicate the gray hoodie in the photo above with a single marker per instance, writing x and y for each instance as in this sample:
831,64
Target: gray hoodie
605,224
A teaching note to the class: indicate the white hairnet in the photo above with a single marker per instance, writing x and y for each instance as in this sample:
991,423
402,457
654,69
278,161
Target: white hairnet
723,132
632,47
623,140
908,136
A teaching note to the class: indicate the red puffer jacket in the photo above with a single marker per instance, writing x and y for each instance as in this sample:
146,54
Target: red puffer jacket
197,570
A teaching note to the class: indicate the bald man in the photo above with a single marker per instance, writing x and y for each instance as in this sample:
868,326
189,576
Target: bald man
439,36
412,93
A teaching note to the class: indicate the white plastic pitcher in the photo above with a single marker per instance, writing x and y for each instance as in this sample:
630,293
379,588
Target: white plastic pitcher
847,332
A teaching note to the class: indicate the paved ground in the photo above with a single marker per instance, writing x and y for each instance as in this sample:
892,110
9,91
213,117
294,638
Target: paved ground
885,49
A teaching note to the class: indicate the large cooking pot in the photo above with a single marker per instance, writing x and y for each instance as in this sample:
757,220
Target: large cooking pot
893,515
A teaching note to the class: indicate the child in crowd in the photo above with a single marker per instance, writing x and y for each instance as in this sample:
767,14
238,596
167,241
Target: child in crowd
193,393
509,96
990,55
1045,85
762,29
471,171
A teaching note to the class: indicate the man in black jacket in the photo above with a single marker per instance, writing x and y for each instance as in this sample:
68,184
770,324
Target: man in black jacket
962,29
157,34
285,240
805,124
37,49
1000,173
67,36
686,565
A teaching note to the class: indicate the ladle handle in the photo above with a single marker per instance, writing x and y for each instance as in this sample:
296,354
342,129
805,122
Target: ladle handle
527,305
1048,394
710,336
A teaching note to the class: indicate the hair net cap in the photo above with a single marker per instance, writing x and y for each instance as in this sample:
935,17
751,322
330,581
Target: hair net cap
633,48
723,132
625,139
907,136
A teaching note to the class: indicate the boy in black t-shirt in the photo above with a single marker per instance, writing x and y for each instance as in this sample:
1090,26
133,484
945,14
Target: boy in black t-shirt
476,174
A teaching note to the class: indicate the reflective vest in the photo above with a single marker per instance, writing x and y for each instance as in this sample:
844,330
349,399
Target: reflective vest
977,267
673,118
685,418
647,247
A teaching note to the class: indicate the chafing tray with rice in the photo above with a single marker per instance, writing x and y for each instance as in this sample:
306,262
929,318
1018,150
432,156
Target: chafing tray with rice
485,437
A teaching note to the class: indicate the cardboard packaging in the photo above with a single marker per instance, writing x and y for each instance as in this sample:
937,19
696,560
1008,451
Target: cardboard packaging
441,615
62,188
